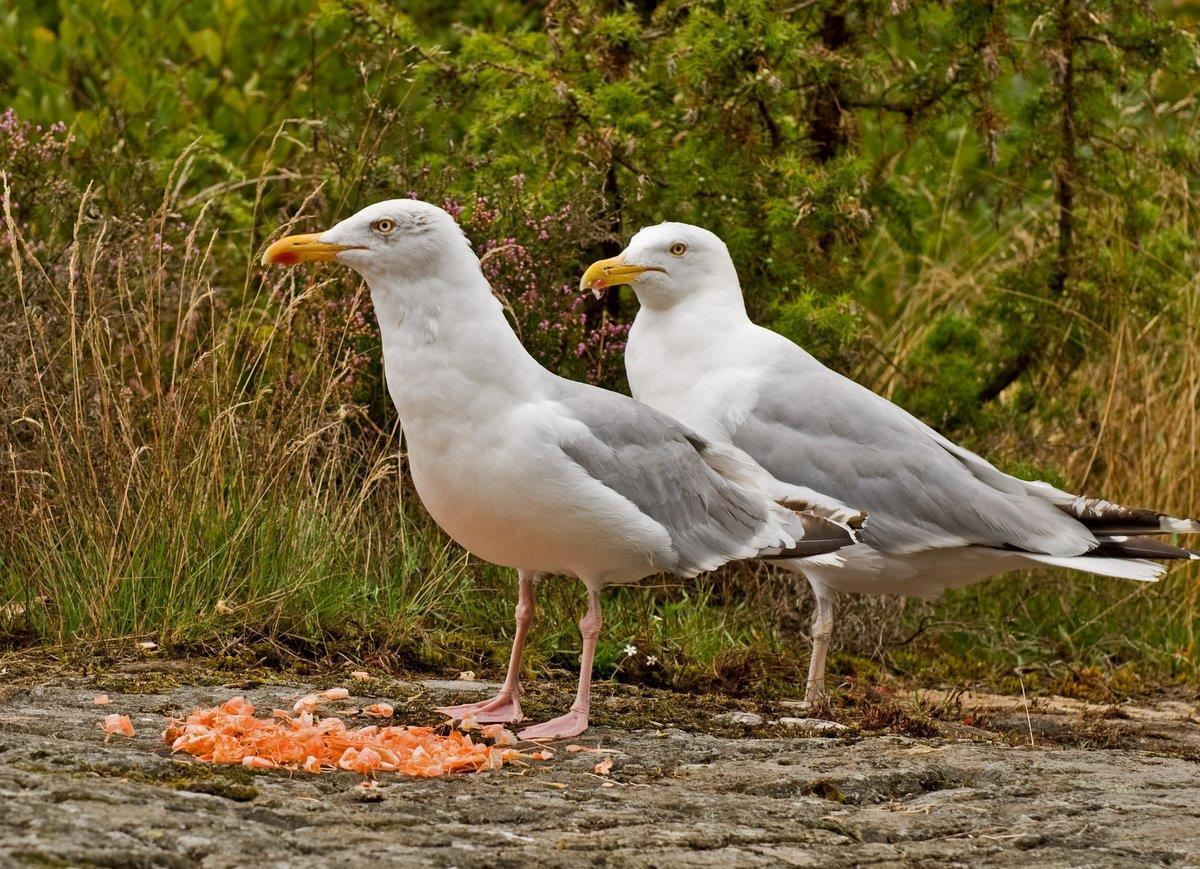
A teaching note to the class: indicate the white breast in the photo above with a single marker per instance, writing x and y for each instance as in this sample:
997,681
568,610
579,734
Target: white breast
708,384
509,495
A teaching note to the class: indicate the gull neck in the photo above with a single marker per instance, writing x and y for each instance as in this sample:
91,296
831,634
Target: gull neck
447,345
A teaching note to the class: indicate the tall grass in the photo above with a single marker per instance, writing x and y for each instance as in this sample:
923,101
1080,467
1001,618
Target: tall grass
167,479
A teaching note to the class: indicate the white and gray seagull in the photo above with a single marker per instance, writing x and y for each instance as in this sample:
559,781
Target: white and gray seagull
531,471
940,516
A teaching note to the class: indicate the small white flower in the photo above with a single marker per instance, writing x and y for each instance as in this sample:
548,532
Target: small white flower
656,618
651,660
630,651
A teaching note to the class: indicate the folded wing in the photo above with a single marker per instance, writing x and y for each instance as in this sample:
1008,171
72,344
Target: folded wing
675,477
812,427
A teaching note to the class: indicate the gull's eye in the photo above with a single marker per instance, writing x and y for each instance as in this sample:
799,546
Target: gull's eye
678,249
384,226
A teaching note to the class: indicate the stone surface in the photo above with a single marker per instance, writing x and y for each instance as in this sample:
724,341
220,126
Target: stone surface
1122,789
815,724
749,719
461,685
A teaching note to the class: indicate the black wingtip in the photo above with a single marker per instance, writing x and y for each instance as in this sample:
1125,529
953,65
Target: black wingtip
1104,518
1142,547
821,536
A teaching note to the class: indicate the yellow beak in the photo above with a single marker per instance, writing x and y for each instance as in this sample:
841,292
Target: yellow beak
610,273
293,249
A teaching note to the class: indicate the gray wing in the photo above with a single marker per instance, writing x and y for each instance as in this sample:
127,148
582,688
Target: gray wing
813,427
659,465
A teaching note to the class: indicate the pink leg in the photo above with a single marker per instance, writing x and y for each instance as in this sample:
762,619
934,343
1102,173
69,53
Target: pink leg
822,632
576,721
505,707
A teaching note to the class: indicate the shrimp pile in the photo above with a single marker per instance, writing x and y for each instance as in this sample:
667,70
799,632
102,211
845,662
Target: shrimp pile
231,734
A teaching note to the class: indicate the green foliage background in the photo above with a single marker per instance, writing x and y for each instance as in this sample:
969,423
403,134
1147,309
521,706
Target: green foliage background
985,209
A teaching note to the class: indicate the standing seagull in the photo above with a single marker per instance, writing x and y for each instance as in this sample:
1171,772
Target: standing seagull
528,470
941,516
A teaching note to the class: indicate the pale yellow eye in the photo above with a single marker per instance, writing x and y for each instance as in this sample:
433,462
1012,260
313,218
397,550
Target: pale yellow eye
384,226
678,249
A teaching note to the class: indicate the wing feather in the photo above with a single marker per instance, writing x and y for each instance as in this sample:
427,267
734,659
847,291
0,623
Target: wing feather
668,473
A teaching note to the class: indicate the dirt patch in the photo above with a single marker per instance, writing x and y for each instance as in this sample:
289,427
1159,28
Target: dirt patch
687,788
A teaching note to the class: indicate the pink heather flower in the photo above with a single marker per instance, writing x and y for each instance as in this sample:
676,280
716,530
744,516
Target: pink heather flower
24,142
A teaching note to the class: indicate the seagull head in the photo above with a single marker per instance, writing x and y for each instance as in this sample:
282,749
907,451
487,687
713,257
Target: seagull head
398,240
667,264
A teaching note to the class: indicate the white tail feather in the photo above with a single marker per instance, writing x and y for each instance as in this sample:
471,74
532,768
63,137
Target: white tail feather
1122,568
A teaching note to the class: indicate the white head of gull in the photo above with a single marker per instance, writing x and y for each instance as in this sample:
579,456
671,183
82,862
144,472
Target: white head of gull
531,471
941,516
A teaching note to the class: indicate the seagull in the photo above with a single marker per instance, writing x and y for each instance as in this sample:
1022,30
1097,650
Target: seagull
940,516
531,471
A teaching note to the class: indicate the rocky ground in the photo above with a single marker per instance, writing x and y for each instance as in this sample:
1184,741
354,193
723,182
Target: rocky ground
696,781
